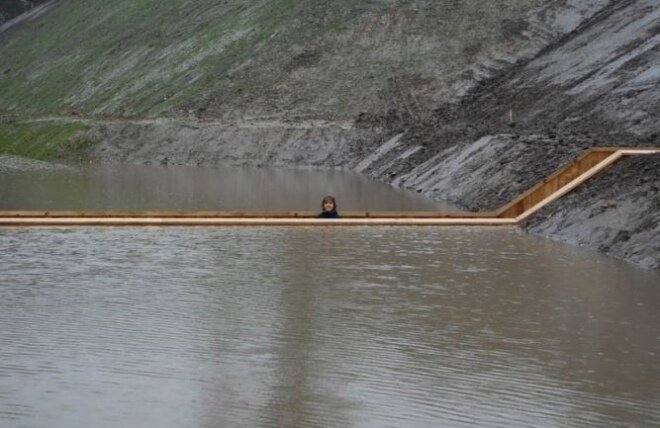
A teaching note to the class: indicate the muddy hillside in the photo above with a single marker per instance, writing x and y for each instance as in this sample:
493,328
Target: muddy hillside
470,102
10,9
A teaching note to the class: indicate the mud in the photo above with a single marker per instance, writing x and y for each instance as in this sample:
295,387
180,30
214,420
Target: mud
272,143
15,12
9,163
617,212
490,172
596,86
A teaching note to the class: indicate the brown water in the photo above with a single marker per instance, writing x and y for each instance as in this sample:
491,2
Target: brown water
139,187
308,327
314,326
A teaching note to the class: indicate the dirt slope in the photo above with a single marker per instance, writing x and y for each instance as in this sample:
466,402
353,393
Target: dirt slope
282,59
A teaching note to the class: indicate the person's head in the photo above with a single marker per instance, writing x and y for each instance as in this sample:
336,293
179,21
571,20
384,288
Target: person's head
328,204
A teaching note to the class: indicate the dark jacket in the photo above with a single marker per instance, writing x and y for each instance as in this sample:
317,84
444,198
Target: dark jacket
329,214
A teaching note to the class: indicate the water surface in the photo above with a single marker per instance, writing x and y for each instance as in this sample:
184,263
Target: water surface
140,187
331,327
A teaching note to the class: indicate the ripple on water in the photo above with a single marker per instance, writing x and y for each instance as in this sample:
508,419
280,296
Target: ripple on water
314,327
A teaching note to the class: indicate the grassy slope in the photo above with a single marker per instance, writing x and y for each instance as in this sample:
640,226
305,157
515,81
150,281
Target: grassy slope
138,58
45,140
128,57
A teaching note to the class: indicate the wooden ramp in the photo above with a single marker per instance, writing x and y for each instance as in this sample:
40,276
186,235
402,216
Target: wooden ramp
585,166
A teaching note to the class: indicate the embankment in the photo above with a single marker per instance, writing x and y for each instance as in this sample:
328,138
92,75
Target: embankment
254,143
617,213
462,101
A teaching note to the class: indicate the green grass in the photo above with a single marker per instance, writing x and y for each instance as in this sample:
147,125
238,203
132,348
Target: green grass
124,57
46,140
153,58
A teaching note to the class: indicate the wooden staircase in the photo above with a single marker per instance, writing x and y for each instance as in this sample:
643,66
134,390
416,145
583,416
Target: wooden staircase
585,166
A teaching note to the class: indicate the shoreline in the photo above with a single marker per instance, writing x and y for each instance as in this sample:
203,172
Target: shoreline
624,223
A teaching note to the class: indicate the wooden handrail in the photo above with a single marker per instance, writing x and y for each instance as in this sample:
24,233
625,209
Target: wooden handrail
565,179
242,214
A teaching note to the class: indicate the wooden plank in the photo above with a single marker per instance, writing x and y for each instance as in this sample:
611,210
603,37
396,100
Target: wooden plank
515,207
243,214
573,184
605,159
554,182
238,221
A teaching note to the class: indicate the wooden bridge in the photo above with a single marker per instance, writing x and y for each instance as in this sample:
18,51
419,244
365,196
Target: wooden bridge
585,166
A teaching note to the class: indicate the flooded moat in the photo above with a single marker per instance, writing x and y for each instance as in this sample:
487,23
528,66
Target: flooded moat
140,187
312,326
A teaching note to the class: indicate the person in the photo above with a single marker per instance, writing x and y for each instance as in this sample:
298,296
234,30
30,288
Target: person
329,207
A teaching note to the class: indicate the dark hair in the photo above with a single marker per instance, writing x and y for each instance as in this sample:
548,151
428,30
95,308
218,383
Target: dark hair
329,198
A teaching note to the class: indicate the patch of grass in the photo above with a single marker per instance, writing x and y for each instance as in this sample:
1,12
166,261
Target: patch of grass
79,145
47,140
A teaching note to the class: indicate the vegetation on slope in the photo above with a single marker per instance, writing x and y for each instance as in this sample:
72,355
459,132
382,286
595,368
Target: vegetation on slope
47,140
207,58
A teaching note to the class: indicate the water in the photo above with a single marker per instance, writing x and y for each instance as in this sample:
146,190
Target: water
308,326
139,187
333,327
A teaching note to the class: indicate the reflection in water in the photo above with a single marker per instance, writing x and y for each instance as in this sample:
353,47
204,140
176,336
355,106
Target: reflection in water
336,326
133,187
